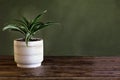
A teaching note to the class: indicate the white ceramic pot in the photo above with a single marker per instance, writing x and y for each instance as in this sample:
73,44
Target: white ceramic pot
30,56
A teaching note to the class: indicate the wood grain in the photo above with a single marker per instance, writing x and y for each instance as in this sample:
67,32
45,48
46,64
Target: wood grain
62,68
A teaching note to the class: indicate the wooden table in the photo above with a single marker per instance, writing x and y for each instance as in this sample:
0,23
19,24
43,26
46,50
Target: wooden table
62,68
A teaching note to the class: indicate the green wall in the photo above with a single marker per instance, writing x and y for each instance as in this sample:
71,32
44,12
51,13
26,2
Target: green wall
87,27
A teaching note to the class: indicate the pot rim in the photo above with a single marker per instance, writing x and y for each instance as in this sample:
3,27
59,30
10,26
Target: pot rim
20,40
30,43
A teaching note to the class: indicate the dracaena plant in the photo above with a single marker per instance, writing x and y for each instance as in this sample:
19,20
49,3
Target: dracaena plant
28,28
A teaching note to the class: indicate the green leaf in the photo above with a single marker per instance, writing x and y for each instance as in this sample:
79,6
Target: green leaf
36,25
39,17
11,27
36,20
27,38
25,21
51,23
41,26
20,22
23,24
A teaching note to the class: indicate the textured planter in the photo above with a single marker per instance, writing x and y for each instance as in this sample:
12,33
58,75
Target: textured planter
30,56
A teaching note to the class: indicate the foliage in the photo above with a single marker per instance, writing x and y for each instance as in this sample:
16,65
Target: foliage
28,28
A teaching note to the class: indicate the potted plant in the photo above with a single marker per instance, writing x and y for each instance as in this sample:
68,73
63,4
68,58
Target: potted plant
28,51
